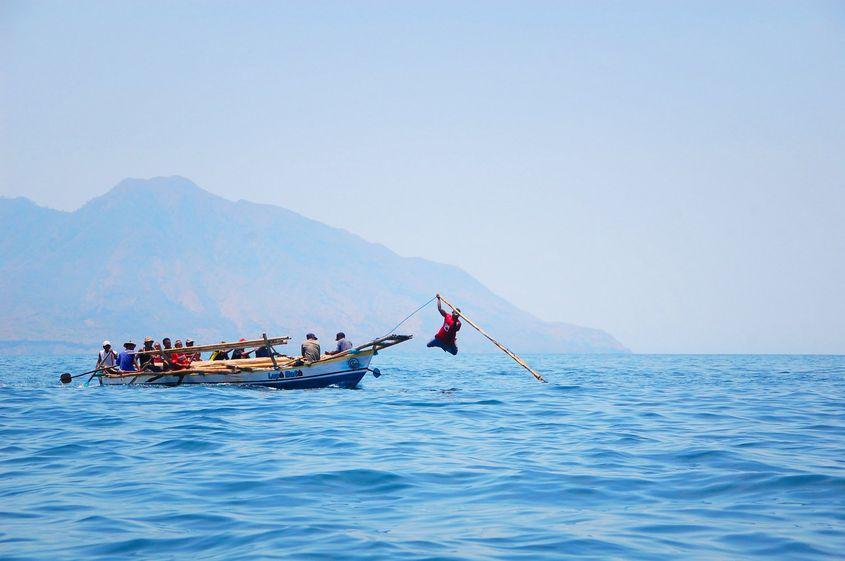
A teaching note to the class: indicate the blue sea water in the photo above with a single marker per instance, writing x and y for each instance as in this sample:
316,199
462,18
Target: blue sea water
617,457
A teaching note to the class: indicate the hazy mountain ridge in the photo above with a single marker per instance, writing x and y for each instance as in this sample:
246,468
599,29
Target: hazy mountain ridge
164,257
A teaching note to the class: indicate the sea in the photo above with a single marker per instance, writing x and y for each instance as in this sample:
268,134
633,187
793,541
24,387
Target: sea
441,458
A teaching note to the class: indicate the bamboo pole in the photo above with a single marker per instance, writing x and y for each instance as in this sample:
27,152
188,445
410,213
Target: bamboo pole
219,346
376,344
209,367
502,347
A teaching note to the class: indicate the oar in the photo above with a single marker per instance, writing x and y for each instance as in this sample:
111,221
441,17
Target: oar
507,351
65,378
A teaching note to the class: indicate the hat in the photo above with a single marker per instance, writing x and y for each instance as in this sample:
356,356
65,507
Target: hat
310,336
148,339
340,335
106,344
188,341
241,339
129,344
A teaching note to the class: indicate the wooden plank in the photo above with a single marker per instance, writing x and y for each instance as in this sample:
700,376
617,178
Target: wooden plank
211,367
219,346
260,361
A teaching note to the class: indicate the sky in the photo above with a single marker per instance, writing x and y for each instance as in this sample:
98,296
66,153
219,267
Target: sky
671,172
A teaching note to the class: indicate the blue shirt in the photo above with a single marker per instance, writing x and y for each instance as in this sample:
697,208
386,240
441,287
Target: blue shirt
343,345
126,361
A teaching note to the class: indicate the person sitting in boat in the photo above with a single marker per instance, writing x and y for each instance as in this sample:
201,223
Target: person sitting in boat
193,356
264,352
220,354
447,337
106,357
158,360
145,362
165,357
343,344
311,348
126,358
179,360
172,360
239,352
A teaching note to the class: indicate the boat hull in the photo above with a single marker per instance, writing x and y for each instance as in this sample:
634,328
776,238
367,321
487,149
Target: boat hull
343,372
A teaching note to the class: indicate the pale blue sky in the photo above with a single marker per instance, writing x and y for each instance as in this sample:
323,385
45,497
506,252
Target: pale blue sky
672,172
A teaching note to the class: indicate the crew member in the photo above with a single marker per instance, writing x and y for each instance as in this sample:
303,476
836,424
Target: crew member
145,361
106,357
239,352
194,356
343,344
178,360
126,358
311,348
220,354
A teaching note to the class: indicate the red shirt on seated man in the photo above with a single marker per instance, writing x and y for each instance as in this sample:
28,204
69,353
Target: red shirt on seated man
179,361
174,360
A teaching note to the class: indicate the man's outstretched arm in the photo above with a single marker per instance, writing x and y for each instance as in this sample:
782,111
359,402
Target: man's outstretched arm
440,307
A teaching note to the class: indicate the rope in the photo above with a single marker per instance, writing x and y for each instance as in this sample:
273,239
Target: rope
410,316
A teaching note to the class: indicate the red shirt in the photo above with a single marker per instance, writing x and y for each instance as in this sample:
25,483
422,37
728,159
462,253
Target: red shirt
449,332
179,361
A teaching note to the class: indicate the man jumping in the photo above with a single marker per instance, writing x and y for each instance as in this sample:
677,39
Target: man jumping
447,336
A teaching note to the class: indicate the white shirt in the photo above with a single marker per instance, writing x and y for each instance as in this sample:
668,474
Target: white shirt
107,358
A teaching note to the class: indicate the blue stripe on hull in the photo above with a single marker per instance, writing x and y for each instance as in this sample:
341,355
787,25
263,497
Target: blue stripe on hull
342,379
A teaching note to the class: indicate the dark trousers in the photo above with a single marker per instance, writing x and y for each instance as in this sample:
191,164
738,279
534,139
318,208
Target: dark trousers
450,348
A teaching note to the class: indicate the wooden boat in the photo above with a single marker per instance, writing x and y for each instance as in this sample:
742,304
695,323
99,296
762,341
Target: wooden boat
345,369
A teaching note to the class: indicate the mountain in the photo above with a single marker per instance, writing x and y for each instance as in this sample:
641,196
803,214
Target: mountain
163,257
